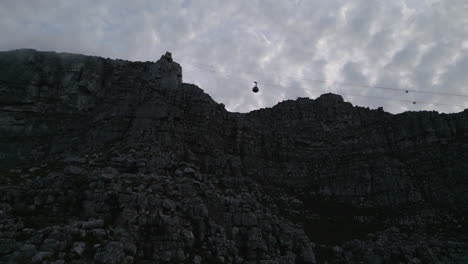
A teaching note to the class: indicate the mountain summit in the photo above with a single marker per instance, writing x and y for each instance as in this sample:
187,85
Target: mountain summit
112,161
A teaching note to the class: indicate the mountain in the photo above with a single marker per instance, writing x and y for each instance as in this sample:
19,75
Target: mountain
111,161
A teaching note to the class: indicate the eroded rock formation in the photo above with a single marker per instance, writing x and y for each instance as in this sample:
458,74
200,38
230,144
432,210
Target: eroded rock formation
110,161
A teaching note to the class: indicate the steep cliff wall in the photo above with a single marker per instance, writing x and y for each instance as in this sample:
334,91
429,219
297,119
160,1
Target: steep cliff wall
51,103
364,156
140,118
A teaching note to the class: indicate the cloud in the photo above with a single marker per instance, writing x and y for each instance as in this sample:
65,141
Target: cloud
292,48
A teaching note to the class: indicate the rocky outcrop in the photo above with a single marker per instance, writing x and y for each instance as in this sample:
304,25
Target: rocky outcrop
80,211
368,157
123,162
51,103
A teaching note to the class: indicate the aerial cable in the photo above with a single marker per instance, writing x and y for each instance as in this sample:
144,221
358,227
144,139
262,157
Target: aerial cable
242,80
402,100
212,68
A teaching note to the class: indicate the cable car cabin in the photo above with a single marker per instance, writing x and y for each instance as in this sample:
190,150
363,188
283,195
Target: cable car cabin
255,88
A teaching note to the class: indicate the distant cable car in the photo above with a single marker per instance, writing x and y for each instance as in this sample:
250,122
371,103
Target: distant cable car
255,88
414,102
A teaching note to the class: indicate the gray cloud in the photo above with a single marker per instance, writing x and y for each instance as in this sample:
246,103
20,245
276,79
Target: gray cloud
292,48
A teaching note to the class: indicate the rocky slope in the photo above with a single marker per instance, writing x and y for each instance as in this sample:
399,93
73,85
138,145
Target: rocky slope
110,161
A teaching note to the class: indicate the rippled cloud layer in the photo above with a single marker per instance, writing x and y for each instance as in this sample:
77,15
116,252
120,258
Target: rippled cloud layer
371,52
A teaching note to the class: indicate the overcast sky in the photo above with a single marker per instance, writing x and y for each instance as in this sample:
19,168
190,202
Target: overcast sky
294,48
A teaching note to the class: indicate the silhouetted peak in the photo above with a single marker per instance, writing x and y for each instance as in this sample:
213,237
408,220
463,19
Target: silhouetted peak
330,98
167,56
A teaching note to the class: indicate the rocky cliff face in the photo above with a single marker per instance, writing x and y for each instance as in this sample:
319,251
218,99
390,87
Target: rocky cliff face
110,161
53,103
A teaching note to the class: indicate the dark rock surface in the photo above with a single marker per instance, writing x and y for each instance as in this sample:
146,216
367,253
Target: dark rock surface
111,161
